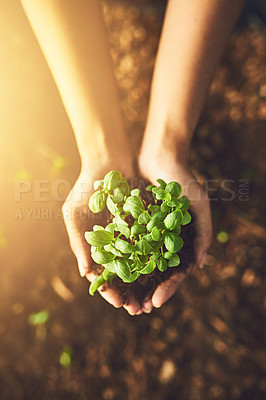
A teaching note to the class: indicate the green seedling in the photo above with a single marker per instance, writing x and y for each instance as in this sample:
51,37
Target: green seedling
141,236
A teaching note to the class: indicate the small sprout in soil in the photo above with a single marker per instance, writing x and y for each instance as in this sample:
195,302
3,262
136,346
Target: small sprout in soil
222,237
140,236
65,358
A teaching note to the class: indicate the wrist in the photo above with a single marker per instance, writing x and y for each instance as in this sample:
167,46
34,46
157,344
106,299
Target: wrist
166,144
96,167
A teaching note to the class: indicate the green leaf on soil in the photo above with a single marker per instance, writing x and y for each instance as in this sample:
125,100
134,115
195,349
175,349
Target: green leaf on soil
150,266
162,264
143,247
124,187
174,261
173,242
137,229
112,180
97,201
173,219
112,207
124,246
124,230
162,183
135,192
118,196
186,218
156,234
144,218
174,189
99,238
102,257
134,206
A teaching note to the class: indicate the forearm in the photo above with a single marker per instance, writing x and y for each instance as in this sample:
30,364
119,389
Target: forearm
72,36
194,36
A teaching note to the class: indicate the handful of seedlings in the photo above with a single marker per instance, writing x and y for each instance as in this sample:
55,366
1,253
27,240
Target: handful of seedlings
149,239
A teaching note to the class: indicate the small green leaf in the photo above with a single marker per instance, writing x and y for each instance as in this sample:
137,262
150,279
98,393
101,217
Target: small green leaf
66,357
111,248
156,245
174,189
124,187
159,216
155,257
173,219
122,269
111,205
39,318
144,218
162,264
111,267
134,206
186,218
174,261
124,246
137,229
153,208
102,257
98,228
124,230
112,180
165,207
173,242
135,192
156,234
99,281
97,201
154,222
99,238
98,185
222,237
119,221
168,255
107,275
110,227
94,248
150,266
132,277
161,194
118,196
172,203
150,187
184,203
162,183
148,238
143,247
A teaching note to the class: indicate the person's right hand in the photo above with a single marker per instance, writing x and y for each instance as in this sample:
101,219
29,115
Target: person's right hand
79,219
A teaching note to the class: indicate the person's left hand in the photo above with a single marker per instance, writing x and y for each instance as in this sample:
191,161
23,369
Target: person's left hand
168,168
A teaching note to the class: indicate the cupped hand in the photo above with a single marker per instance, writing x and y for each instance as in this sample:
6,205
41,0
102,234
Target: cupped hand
79,219
169,168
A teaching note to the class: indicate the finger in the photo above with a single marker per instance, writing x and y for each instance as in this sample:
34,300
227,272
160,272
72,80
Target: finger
111,295
132,306
147,306
166,289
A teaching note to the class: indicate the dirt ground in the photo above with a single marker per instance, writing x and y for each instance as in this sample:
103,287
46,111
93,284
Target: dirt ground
208,342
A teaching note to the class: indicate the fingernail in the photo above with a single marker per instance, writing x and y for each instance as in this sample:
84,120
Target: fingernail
147,307
202,260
